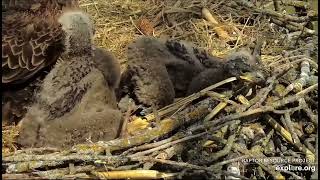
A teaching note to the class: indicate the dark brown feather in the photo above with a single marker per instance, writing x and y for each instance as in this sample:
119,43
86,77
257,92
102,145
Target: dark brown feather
31,36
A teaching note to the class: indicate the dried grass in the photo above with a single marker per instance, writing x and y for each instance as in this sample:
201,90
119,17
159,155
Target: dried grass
9,133
117,23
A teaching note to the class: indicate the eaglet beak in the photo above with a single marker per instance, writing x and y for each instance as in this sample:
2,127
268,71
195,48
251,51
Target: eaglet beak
253,77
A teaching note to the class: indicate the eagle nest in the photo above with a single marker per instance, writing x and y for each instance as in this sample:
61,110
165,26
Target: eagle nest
212,133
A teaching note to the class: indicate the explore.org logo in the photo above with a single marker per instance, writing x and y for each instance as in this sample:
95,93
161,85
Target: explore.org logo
290,167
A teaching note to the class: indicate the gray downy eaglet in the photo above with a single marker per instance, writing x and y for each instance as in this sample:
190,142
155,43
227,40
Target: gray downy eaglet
74,102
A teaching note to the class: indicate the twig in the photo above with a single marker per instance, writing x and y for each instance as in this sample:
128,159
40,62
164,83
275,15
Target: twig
292,58
295,97
263,109
226,150
288,121
309,145
136,26
308,111
267,138
166,154
215,111
37,150
218,29
151,145
134,174
262,94
184,165
229,161
124,131
271,12
296,3
20,176
222,97
62,172
167,145
293,26
276,5
284,133
302,81
59,157
285,111
255,152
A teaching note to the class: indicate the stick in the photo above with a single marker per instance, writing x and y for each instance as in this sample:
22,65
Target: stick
134,174
218,29
167,145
